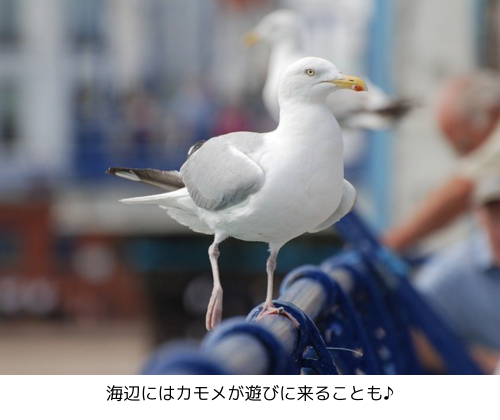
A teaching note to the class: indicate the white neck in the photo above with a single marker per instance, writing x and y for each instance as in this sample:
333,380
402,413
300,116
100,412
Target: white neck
298,118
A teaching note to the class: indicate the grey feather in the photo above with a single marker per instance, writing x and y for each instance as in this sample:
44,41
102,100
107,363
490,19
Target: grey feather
223,172
195,147
166,180
395,109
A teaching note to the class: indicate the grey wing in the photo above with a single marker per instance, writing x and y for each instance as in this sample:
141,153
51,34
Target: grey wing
223,172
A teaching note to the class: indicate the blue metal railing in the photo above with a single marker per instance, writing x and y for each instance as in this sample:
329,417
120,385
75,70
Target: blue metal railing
406,305
355,313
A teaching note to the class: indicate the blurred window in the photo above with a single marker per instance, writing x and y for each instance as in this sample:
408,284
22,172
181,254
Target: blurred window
86,22
63,249
9,22
9,115
90,130
10,248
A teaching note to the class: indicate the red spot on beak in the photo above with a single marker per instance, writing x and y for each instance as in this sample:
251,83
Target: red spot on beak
358,88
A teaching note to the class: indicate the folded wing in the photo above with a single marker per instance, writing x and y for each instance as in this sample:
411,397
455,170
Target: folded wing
223,172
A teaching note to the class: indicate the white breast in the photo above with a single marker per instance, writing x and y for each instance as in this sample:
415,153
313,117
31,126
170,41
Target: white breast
303,187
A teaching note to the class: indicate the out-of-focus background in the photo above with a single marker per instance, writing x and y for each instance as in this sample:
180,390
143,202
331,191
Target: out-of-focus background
89,285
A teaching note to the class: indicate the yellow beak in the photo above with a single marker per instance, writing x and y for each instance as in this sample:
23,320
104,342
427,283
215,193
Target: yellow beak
251,38
351,82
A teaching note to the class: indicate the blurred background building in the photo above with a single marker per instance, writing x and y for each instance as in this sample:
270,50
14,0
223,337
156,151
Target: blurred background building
85,85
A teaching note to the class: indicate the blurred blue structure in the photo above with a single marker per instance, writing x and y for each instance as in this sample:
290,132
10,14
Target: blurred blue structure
380,148
355,313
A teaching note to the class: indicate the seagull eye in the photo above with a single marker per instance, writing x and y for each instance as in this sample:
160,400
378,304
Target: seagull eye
310,72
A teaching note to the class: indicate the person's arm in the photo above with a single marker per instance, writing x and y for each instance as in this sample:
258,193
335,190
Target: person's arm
486,359
441,207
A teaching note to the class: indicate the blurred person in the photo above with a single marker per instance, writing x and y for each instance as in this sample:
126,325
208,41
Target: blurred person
468,115
462,283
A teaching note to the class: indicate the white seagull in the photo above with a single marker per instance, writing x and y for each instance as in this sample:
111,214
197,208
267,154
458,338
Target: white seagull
285,31
264,187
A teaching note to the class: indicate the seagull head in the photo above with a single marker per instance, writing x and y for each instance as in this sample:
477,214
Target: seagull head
279,26
312,79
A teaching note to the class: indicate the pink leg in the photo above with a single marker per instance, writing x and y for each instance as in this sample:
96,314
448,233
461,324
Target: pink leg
268,308
214,310
270,267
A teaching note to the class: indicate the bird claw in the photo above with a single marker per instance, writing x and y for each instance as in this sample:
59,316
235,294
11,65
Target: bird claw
272,310
214,310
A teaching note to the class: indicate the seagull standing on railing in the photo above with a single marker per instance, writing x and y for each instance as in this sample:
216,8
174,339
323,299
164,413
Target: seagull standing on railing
264,187
285,32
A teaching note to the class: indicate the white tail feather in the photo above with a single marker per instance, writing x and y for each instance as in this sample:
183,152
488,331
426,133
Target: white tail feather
151,199
164,199
178,205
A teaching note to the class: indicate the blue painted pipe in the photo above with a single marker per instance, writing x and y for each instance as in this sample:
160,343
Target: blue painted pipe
273,344
267,345
270,345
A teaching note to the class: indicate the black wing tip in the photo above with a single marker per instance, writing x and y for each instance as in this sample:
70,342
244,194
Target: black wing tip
112,170
399,108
